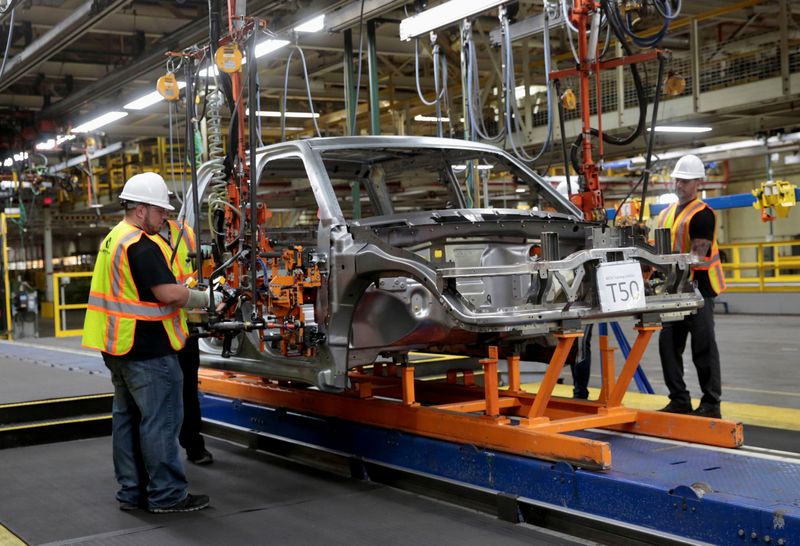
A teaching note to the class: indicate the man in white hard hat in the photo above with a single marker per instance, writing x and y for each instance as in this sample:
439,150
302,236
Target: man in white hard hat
693,226
133,318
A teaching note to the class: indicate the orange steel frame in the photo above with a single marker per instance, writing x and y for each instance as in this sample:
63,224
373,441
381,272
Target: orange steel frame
510,420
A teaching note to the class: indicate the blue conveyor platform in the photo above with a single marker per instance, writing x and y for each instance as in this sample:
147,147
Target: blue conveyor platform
704,494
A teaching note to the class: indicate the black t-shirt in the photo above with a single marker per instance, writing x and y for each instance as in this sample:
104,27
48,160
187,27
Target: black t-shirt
148,269
701,226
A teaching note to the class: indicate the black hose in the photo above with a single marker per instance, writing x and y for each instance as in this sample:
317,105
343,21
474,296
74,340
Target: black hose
651,140
640,96
561,122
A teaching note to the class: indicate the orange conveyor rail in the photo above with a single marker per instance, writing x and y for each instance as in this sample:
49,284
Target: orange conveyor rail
510,420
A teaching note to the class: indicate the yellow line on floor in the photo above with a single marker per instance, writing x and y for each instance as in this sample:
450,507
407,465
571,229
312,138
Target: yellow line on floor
52,400
759,391
7,538
433,357
749,414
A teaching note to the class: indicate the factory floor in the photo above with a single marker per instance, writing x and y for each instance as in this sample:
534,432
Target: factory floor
64,493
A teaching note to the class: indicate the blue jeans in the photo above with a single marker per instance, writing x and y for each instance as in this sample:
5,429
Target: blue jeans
147,415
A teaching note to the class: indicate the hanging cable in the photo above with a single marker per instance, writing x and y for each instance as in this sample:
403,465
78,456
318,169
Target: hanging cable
626,25
640,97
513,123
440,87
308,92
473,102
664,10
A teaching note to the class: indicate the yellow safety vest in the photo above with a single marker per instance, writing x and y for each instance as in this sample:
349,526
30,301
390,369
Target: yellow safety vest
114,305
682,241
181,266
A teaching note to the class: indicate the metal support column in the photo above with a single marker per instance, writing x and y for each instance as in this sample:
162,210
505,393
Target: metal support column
48,254
620,87
694,40
374,90
349,84
6,284
785,15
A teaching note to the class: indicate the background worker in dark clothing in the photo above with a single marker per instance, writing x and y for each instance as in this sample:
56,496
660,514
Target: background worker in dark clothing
190,438
181,249
693,225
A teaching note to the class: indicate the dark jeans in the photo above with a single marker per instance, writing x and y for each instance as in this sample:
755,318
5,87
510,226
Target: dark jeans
582,367
705,356
146,416
190,438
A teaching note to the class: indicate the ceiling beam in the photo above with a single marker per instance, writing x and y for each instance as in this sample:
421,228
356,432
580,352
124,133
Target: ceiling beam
59,37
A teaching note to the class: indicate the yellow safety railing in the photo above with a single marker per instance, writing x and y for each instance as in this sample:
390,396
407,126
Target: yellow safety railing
60,309
762,267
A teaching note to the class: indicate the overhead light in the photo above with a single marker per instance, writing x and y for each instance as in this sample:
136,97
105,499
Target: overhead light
312,25
432,119
268,46
443,15
276,114
8,162
521,189
680,129
149,99
463,167
98,122
51,143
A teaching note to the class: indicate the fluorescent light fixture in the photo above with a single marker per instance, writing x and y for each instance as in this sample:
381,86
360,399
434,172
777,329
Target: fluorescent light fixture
149,99
276,114
8,162
98,122
51,143
521,189
463,167
22,156
48,144
680,129
268,46
312,25
432,119
443,15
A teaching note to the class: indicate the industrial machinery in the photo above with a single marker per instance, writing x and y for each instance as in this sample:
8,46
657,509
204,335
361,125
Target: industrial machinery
330,280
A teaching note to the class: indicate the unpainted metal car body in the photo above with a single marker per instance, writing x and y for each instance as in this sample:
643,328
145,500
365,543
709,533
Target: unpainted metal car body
408,265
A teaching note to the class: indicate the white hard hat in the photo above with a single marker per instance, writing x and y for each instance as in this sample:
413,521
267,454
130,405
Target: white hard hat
689,167
148,188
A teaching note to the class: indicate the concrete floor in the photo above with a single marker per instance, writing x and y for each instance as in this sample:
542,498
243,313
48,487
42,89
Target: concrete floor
759,356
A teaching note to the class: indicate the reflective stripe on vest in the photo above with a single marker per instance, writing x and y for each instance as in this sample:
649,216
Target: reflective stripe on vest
682,241
180,265
185,246
114,305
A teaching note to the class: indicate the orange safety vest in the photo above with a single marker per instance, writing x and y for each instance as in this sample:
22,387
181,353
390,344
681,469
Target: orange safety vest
114,305
682,242
182,265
